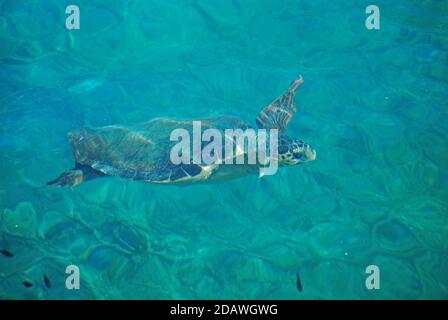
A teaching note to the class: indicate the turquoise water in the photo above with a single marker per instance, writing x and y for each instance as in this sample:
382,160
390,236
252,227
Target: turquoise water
374,105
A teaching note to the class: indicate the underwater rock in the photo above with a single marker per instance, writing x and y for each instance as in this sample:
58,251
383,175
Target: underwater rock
394,154
340,241
10,43
389,54
48,221
432,267
436,67
209,285
131,238
335,280
202,197
426,218
349,138
62,230
21,221
114,192
327,180
399,279
285,257
107,262
86,85
173,247
261,203
373,215
395,237
424,176
251,269
189,274
67,233
386,127
325,204
96,192
436,150
150,279
283,186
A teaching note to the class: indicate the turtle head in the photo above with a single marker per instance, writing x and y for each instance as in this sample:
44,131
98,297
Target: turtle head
294,151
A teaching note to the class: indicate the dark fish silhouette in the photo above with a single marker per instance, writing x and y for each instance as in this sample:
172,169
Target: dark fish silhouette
7,253
47,281
27,284
299,283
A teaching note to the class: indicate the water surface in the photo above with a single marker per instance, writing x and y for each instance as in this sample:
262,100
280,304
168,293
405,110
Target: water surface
374,105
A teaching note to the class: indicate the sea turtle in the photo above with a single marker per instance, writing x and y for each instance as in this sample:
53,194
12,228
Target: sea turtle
142,152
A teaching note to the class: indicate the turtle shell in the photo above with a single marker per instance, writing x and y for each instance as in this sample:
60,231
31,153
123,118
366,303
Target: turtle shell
142,152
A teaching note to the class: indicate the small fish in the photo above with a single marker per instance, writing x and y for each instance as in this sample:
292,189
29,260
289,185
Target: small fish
47,281
299,283
7,253
27,284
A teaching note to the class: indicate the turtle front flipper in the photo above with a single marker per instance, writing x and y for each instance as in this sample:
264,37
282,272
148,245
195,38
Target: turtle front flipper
75,176
278,114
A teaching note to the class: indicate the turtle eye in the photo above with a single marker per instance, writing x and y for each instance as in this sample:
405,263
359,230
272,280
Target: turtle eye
296,155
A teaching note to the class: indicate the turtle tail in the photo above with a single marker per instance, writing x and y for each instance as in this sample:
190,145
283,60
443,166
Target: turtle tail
76,176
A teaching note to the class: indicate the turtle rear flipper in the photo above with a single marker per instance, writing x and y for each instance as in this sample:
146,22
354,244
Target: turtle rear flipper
76,176
69,178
